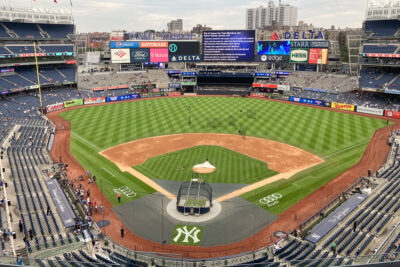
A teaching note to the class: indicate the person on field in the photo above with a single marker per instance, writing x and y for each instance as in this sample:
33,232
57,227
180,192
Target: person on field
119,197
122,232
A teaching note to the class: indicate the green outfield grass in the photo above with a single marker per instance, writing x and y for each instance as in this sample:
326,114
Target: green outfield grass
232,167
338,138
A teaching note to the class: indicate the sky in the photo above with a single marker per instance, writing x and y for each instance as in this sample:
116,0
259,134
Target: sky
141,15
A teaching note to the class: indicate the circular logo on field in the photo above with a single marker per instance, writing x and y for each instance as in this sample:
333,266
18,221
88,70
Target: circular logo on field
173,48
271,200
125,191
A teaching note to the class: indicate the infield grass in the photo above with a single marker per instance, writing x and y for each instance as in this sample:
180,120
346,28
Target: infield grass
231,167
338,138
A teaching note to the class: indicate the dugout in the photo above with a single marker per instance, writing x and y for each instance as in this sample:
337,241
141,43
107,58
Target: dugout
194,197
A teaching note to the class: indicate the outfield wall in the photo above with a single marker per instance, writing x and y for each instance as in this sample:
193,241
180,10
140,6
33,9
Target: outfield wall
294,99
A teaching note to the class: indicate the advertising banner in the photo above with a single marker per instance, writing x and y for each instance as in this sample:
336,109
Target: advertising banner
118,45
174,94
381,55
283,88
7,70
368,110
65,210
184,48
306,101
73,103
342,106
327,104
95,89
258,95
174,85
309,44
71,62
120,56
121,98
189,83
159,55
94,100
4,92
117,87
272,58
185,58
318,56
282,73
299,55
263,74
154,45
228,46
259,85
188,73
54,107
173,71
140,55
392,114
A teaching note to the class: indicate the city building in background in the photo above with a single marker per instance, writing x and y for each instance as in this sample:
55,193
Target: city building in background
175,25
198,29
281,15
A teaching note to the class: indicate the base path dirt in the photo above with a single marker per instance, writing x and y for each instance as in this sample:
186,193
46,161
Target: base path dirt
373,158
279,157
285,159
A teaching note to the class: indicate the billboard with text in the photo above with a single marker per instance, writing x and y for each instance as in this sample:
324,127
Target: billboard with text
318,56
228,46
299,55
158,55
120,56
139,55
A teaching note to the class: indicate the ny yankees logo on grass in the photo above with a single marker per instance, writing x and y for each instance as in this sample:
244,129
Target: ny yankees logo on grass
187,235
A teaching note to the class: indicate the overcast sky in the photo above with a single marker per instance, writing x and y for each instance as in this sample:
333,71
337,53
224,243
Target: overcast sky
140,15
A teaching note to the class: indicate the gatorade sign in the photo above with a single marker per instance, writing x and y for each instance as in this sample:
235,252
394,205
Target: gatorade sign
299,55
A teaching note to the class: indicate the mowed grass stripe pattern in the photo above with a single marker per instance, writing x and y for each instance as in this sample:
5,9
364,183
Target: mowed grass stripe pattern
319,131
337,137
231,167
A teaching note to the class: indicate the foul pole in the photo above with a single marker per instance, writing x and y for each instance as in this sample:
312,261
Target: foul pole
38,78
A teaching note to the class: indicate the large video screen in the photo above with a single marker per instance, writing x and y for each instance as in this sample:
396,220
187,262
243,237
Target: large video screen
228,46
281,48
273,51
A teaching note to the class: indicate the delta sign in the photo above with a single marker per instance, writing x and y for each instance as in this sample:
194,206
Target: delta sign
306,35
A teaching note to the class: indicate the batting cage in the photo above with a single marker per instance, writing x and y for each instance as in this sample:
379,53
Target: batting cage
194,197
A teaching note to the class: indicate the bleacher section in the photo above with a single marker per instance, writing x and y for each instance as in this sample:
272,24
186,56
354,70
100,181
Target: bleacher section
382,28
58,31
378,78
36,31
23,30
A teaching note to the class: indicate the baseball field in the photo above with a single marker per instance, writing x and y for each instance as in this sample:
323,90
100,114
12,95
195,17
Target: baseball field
338,139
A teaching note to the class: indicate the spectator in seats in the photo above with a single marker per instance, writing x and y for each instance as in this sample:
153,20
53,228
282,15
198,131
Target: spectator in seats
48,210
30,233
333,248
20,225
